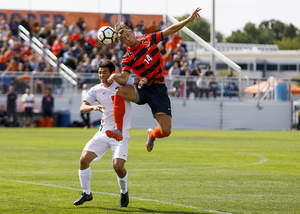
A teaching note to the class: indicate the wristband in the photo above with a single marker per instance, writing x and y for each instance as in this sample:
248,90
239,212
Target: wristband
130,81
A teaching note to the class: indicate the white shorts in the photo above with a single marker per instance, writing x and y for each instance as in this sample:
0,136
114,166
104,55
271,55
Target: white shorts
100,143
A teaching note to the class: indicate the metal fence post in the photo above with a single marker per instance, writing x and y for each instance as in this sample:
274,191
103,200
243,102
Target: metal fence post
184,91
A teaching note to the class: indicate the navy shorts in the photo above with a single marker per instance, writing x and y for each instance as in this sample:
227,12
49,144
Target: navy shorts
156,95
47,113
28,112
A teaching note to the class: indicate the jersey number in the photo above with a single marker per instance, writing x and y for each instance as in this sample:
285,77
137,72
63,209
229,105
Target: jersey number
148,59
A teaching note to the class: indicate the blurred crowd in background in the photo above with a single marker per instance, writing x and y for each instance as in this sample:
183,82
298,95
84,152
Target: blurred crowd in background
77,47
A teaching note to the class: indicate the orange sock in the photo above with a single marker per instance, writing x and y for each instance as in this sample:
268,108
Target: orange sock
119,111
49,122
156,133
42,122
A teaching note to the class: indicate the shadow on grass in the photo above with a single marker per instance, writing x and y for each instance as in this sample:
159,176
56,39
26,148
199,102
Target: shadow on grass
137,210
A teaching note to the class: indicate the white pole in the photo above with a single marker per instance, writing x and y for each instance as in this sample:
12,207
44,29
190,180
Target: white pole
165,15
213,37
120,15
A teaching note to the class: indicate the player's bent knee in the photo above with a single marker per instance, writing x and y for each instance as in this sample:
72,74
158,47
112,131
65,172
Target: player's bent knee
166,131
126,91
118,167
84,162
119,92
167,134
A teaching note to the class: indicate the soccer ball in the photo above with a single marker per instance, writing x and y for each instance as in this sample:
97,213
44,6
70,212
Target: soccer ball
106,35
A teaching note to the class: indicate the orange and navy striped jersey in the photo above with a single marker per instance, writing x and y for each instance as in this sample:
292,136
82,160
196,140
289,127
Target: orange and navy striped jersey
145,59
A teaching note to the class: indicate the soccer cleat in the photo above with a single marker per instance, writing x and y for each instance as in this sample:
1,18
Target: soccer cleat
150,142
83,198
124,201
116,134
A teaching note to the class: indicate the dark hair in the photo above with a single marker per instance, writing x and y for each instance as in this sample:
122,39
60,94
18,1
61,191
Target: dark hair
107,64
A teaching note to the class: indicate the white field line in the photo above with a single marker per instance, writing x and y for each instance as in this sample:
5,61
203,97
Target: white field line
263,160
112,194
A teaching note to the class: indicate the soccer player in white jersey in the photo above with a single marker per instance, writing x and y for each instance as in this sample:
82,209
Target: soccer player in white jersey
104,93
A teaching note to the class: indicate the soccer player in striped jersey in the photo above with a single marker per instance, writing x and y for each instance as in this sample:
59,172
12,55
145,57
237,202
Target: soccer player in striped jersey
143,59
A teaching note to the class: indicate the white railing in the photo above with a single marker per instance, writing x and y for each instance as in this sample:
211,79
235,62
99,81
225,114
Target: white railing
264,91
67,73
267,88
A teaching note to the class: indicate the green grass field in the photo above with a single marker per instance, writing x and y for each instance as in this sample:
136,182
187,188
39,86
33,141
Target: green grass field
192,171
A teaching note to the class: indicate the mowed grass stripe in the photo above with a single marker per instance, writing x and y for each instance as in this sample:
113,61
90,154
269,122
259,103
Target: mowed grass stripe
229,171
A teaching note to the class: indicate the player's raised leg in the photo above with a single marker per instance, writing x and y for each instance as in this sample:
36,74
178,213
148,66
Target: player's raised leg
124,93
162,130
119,112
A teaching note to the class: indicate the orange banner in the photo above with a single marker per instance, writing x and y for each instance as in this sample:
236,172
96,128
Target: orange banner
92,20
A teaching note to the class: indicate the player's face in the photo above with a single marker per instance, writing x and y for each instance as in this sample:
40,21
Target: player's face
104,74
128,38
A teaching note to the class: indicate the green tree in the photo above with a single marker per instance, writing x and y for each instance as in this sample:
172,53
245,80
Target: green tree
287,37
276,27
251,33
290,31
220,37
200,27
288,43
266,35
237,37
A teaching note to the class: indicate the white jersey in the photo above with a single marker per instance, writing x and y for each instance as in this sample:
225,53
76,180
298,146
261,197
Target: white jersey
104,95
83,94
26,97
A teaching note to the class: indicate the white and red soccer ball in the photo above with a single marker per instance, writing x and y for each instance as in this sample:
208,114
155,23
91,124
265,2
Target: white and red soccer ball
106,35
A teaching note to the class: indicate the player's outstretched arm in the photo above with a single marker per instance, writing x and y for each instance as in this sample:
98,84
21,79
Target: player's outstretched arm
176,27
120,79
86,107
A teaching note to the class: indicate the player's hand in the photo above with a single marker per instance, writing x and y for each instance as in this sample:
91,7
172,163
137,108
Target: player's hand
111,78
194,14
99,108
143,81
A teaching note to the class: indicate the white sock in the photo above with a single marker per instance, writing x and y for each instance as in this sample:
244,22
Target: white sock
123,183
85,178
